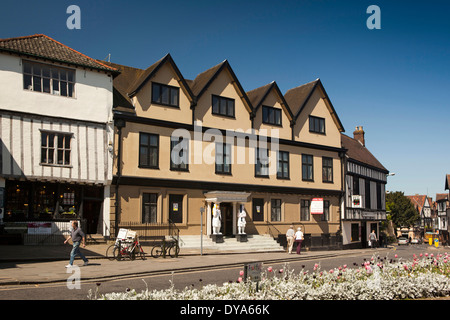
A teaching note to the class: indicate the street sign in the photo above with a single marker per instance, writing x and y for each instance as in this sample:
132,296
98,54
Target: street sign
253,271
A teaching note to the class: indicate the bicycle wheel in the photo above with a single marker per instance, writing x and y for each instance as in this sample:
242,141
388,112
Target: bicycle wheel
140,252
174,250
110,253
118,253
157,251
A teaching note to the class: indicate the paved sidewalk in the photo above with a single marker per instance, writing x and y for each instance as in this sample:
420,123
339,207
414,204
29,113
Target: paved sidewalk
46,264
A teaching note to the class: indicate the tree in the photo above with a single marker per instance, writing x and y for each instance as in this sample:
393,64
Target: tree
402,211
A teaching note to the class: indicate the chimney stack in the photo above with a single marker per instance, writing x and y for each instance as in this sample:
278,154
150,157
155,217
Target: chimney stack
358,134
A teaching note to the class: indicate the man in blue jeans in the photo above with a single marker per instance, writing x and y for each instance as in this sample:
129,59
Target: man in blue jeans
78,237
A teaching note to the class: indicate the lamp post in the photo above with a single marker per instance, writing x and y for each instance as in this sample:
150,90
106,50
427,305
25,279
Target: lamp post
202,210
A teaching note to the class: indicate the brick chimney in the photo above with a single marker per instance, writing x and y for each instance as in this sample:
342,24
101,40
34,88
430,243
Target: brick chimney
358,134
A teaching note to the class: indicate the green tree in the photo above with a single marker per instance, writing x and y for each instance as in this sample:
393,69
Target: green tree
402,211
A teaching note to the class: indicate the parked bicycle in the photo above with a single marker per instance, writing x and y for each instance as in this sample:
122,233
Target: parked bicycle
170,248
126,247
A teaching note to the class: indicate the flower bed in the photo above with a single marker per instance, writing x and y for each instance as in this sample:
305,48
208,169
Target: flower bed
378,279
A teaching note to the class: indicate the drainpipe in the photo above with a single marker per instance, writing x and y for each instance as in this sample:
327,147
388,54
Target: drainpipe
343,191
120,123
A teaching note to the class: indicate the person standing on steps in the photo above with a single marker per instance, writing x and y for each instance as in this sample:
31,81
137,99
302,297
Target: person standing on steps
78,237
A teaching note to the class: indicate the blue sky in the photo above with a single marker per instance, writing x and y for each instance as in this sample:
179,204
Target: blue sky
394,81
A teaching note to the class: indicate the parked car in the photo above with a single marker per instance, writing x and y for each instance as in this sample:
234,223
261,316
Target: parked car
415,241
402,240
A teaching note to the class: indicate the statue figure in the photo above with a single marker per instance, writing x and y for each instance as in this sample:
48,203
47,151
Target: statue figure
216,221
241,220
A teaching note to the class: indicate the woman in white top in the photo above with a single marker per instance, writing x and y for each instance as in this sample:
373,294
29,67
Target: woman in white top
299,239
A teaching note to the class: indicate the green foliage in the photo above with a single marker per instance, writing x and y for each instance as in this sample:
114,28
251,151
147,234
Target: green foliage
402,211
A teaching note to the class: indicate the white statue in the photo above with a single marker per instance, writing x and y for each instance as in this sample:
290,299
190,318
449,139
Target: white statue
241,220
216,221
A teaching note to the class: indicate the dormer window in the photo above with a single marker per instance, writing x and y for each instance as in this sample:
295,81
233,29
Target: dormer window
165,95
46,78
271,115
223,106
316,125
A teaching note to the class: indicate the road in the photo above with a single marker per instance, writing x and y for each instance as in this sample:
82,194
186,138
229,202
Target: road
193,279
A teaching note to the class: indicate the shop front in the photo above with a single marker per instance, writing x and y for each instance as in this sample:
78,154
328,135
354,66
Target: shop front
41,211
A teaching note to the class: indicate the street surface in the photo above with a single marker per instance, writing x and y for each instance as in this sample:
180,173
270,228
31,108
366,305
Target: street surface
195,278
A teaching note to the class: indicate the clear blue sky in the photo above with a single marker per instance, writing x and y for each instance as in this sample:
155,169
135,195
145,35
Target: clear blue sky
394,82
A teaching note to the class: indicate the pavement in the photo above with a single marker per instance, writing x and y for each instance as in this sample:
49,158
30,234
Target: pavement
22,264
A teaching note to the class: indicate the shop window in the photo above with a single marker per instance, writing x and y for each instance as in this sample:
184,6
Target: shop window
17,197
149,207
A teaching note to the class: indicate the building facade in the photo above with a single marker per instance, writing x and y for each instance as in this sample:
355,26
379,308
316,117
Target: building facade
182,145
364,205
56,132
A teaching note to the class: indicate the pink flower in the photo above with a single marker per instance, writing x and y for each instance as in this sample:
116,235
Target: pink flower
281,271
345,266
421,255
331,270
269,269
426,254
239,279
396,256
405,267
241,273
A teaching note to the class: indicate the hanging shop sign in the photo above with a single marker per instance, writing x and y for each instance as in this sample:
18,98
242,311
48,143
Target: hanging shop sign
356,201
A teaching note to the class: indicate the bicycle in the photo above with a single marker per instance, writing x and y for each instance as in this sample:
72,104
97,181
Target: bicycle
171,248
125,248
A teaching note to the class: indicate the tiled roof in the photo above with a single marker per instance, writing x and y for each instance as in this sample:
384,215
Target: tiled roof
42,46
356,151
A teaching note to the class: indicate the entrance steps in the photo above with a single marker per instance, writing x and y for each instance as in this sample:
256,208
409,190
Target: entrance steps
95,239
255,243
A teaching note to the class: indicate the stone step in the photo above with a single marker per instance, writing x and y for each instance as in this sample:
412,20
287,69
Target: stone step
254,243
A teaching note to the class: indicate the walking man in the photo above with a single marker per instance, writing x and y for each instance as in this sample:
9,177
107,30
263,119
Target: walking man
78,237
290,238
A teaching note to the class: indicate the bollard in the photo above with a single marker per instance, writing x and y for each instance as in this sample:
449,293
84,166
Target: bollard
436,243
430,241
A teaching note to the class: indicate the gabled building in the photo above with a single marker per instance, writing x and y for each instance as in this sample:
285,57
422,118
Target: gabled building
364,205
443,213
183,145
56,133
424,207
